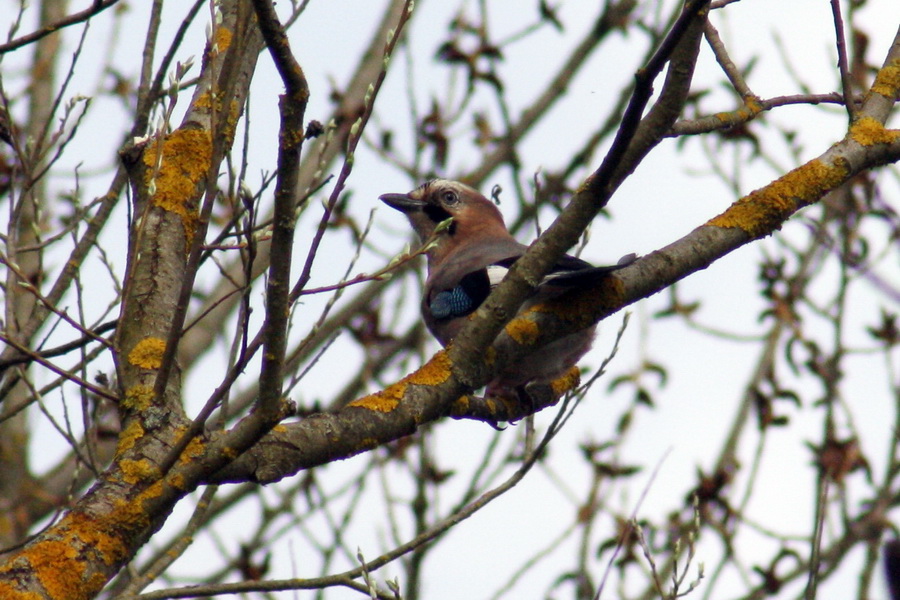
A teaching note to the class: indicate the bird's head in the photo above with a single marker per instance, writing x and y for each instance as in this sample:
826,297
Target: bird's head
432,203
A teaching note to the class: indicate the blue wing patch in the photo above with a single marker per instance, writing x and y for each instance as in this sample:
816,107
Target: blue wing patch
451,303
462,299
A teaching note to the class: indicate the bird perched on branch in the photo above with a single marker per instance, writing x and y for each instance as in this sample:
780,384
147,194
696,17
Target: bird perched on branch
468,257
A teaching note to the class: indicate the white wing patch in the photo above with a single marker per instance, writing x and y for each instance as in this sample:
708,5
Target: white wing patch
496,273
555,275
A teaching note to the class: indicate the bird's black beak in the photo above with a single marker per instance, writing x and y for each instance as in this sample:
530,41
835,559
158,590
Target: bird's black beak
402,202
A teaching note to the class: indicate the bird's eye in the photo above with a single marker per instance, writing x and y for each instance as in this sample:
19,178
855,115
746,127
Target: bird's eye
449,197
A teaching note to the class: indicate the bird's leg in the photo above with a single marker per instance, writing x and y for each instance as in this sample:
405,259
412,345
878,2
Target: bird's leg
502,403
483,409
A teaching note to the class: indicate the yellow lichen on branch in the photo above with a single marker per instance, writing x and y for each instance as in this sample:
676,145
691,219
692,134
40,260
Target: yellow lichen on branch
135,471
868,132
384,401
138,397
523,330
61,564
460,406
194,450
129,436
204,103
58,583
175,167
10,591
753,104
148,353
434,372
129,514
744,114
887,82
223,39
764,210
567,382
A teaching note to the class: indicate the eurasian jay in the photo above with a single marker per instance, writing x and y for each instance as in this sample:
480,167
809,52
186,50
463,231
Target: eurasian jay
469,258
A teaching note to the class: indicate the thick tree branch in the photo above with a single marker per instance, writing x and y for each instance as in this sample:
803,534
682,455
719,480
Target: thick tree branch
133,497
292,109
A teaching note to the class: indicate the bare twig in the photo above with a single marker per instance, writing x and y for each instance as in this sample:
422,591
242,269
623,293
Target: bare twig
96,8
841,43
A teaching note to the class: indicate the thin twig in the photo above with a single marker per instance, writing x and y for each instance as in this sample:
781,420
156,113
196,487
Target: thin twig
356,133
728,67
841,42
96,8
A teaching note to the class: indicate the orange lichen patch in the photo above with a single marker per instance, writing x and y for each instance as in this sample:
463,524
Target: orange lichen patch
68,561
129,514
579,306
204,104
368,443
138,397
129,436
186,155
60,564
753,104
204,101
383,401
460,406
724,117
194,449
290,139
223,38
135,471
59,570
523,330
435,372
745,113
152,492
176,480
751,107
111,547
148,353
566,383
867,131
764,210
8,591
490,356
887,82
